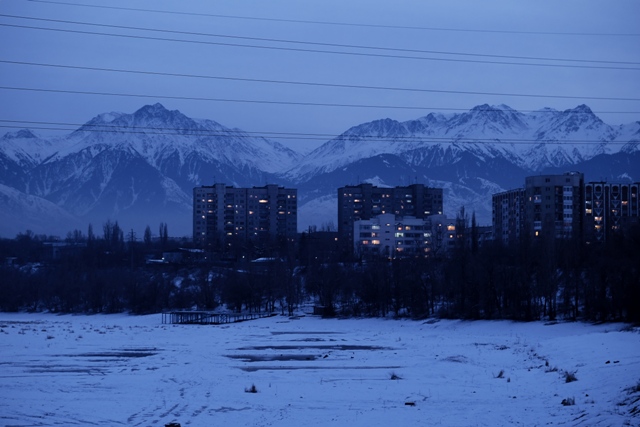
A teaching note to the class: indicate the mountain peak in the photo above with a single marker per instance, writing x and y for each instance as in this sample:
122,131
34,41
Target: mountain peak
581,116
486,108
380,127
157,115
22,133
582,108
483,107
154,110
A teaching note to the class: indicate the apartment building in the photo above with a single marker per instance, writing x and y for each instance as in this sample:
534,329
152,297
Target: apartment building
553,205
508,216
366,201
608,208
393,236
223,213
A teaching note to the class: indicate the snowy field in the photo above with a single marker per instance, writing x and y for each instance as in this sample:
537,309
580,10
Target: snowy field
113,370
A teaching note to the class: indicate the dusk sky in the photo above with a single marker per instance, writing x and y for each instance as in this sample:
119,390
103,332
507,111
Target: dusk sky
449,56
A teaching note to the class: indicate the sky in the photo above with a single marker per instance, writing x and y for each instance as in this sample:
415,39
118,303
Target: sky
313,67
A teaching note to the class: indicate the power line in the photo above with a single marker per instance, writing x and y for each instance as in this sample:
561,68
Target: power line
192,132
348,24
377,55
249,101
196,76
340,45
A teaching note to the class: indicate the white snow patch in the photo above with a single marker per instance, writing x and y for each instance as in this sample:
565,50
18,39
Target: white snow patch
133,370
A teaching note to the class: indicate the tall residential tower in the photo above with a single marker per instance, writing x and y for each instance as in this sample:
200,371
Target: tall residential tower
366,201
222,214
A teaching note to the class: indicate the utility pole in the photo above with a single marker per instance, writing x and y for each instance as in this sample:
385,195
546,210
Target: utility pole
133,288
132,239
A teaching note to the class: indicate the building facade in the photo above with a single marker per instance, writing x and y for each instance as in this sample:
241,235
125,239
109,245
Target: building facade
508,216
609,208
393,236
366,201
553,205
223,213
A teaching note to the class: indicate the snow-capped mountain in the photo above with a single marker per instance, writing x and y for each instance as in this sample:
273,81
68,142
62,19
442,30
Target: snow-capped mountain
20,212
26,148
472,154
140,168
162,136
531,141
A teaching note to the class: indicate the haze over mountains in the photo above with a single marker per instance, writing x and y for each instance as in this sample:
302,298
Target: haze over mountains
140,168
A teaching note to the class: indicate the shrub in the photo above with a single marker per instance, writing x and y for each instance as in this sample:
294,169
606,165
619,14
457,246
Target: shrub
570,377
635,388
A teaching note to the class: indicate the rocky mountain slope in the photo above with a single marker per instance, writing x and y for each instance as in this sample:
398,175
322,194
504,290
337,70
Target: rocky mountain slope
140,168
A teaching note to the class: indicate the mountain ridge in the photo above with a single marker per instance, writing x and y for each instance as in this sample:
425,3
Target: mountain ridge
143,166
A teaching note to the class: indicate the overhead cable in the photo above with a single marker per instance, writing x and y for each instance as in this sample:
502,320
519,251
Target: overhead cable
250,101
294,49
347,24
340,45
336,85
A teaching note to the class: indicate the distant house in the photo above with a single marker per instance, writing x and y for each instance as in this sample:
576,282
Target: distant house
58,250
179,256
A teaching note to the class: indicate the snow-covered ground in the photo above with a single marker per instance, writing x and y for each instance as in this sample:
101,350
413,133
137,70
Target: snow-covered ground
112,370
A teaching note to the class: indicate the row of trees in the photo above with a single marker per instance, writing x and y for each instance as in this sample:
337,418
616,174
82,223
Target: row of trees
527,281
532,279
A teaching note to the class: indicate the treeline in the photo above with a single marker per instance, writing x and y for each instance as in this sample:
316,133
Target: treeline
117,272
559,279
530,280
